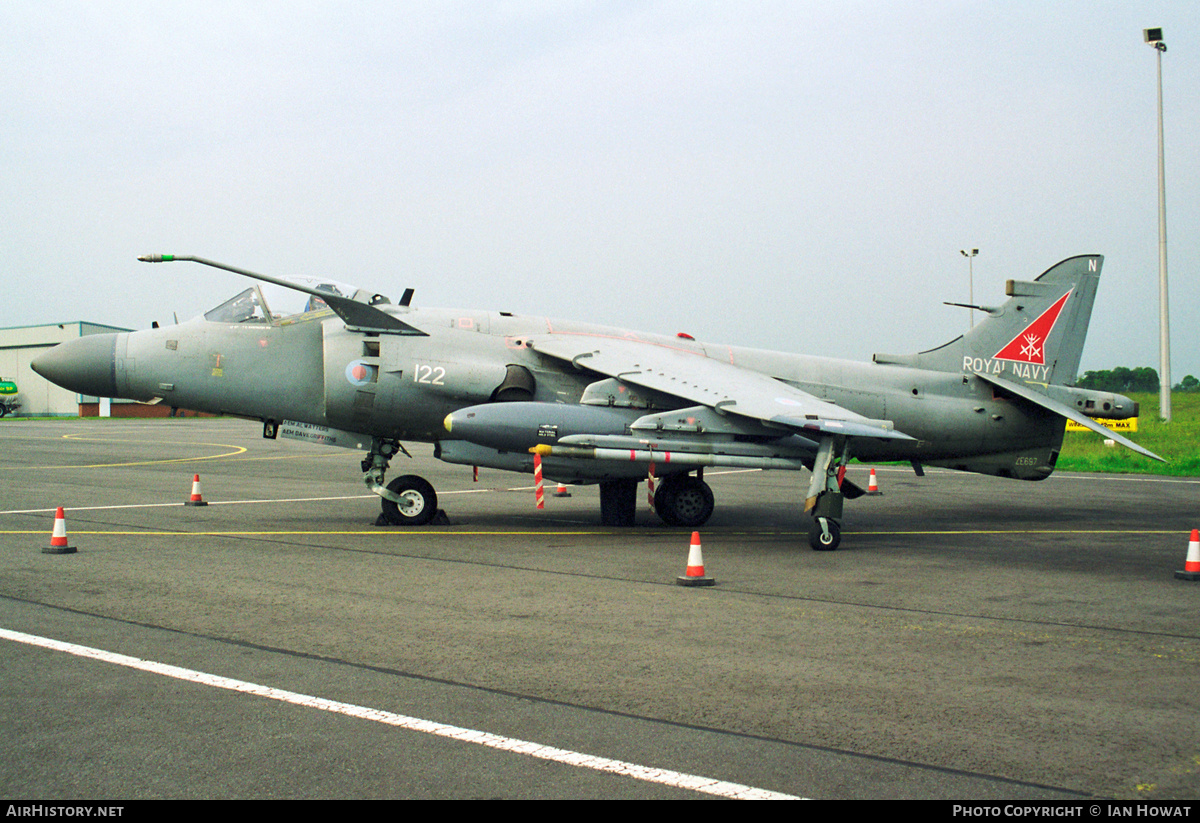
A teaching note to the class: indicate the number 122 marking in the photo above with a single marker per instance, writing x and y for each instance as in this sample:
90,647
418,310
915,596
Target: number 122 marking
433,375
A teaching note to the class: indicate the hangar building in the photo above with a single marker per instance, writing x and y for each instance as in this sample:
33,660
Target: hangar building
39,397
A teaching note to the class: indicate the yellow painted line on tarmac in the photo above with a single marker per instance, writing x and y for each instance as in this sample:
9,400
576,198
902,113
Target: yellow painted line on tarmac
236,450
401,531
1013,531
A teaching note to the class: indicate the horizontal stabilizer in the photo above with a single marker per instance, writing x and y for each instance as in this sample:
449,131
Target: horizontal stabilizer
1039,399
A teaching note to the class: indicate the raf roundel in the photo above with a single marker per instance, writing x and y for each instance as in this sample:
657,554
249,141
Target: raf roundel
359,373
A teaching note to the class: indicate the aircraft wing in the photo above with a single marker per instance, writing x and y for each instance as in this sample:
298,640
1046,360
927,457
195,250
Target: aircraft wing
1039,399
725,387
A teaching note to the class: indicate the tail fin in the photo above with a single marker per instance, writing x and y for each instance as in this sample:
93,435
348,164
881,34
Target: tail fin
1036,336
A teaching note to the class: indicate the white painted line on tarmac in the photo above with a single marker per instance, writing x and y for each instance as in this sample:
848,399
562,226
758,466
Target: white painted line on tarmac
1059,476
180,503
52,509
680,780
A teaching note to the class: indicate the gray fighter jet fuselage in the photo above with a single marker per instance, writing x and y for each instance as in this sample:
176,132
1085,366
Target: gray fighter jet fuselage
601,405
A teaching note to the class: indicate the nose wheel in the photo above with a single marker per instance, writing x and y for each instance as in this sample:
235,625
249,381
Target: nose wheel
408,500
411,501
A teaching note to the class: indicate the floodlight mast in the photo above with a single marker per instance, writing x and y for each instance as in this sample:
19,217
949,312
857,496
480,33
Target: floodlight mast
1154,38
971,277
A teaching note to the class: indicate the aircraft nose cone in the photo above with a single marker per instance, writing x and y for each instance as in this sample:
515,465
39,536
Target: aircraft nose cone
87,365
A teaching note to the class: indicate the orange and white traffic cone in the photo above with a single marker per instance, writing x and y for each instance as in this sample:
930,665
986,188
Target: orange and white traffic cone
197,499
694,576
1191,567
873,484
561,491
58,538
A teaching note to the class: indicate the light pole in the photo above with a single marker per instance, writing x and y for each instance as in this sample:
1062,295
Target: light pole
1154,38
971,277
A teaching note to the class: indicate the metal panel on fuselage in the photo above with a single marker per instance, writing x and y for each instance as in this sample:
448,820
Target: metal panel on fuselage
408,384
403,386
254,370
949,413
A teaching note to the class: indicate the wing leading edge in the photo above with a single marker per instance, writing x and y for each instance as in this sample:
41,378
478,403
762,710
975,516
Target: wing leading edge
724,387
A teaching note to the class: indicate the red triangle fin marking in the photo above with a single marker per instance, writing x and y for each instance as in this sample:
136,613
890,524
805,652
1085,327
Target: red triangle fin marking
1030,345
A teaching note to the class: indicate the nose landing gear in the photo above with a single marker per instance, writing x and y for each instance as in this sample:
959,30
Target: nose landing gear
408,500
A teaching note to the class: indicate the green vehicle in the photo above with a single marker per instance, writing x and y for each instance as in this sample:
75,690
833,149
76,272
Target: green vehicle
9,398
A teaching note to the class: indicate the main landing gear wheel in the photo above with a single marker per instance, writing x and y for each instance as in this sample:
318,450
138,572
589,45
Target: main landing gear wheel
825,534
618,502
684,501
418,501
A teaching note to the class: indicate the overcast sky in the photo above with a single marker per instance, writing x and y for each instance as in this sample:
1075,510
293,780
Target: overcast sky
786,175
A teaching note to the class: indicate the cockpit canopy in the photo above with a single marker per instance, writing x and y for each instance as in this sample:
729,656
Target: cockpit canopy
270,304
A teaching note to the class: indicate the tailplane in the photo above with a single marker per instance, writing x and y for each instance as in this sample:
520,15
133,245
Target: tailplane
1036,336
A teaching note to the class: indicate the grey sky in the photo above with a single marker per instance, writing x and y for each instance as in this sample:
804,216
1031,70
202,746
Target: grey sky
790,175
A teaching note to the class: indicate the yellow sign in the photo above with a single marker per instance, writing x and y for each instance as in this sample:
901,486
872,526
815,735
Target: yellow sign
1129,425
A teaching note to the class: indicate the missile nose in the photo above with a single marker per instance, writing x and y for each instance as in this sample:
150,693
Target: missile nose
87,365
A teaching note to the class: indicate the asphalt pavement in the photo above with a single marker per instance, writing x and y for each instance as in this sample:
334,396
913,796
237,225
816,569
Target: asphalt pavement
973,637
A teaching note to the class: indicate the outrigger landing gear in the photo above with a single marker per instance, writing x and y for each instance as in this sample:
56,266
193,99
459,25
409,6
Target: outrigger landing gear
408,500
825,496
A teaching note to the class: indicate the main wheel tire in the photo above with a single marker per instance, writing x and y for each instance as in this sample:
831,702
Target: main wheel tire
618,502
684,501
822,542
418,501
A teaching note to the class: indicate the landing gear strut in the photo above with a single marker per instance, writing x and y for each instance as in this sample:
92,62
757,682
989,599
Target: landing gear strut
825,496
408,500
